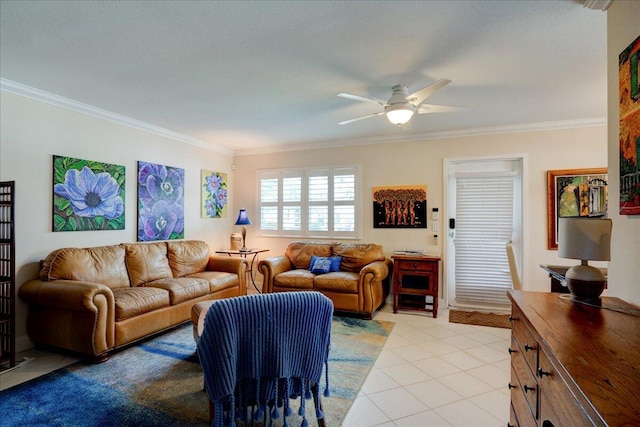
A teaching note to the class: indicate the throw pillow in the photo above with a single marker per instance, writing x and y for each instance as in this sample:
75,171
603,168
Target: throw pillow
320,265
335,263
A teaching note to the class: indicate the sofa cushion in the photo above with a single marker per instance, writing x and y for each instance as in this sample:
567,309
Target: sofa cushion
131,302
102,264
341,281
299,253
218,280
357,255
147,262
181,289
187,257
301,279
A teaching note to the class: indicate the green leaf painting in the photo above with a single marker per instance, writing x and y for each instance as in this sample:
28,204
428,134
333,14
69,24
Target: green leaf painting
87,195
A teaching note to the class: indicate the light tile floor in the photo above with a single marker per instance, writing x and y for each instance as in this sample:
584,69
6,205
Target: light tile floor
435,373
429,373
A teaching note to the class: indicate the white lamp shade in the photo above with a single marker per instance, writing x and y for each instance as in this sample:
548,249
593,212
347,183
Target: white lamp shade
584,238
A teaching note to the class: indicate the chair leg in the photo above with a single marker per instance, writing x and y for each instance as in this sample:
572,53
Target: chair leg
318,403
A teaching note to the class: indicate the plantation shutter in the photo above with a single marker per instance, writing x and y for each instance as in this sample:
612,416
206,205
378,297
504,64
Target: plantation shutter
484,225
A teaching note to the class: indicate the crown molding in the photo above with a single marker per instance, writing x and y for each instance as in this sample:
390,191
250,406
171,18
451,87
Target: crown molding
60,101
49,98
597,4
429,136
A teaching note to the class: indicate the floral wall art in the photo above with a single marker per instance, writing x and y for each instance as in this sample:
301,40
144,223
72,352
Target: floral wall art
87,195
160,202
214,194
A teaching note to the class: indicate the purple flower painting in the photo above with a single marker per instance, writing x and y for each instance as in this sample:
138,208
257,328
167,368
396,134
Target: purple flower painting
214,194
87,195
160,202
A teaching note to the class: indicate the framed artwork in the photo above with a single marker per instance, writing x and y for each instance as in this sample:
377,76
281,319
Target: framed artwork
213,189
400,207
87,195
574,193
629,129
160,202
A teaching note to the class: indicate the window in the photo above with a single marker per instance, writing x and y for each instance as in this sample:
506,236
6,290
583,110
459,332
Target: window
316,203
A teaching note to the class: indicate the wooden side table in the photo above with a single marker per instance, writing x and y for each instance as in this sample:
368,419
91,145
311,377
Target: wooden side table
415,277
245,254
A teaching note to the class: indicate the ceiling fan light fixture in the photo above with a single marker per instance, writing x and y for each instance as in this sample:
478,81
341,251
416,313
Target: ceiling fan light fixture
399,114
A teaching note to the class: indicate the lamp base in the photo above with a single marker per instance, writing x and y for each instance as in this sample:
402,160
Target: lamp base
585,282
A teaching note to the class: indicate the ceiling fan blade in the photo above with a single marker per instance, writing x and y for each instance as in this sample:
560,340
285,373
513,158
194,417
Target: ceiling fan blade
361,118
362,98
430,108
418,97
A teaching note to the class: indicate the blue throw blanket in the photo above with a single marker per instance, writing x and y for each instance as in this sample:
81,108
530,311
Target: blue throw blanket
261,350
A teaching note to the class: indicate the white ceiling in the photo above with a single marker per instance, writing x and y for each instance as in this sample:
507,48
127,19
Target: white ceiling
255,76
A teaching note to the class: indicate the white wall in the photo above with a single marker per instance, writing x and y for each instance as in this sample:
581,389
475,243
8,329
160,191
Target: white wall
32,131
624,269
415,163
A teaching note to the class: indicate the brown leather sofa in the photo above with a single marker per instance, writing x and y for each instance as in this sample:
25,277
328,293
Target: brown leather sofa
94,300
360,286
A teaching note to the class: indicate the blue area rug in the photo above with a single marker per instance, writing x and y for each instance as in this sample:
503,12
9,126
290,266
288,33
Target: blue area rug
159,383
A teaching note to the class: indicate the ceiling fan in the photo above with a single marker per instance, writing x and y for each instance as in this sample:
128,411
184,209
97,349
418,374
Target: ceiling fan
401,106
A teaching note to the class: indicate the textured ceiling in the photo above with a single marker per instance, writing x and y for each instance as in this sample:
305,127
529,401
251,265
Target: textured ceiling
253,76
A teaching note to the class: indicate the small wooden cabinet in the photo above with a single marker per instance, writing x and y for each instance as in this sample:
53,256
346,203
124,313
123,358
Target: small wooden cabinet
573,364
415,283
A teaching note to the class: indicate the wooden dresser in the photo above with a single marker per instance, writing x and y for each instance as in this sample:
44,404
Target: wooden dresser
573,364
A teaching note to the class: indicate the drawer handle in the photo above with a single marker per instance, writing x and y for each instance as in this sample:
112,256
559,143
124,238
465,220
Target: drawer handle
415,265
512,319
512,386
511,351
528,347
528,389
542,373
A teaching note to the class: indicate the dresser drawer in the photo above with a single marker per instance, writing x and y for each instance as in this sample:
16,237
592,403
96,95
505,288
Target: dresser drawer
526,379
558,405
525,339
519,405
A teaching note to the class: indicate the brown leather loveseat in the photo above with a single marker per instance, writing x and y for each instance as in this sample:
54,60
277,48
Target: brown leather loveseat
360,285
94,300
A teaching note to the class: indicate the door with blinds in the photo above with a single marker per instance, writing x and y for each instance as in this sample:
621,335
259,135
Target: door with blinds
485,211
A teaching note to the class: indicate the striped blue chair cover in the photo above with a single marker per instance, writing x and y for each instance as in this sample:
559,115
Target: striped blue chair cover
259,351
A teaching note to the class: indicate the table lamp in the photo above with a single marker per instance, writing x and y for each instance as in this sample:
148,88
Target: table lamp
243,219
585,239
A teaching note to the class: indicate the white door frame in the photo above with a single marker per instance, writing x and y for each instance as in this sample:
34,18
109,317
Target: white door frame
446,245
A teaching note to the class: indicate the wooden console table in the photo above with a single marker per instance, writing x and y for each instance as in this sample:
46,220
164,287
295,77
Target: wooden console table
573,364
415,277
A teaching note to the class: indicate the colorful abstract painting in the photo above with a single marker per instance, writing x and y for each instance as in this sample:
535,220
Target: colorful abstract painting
213,194
630,129
400,207
87,195
160,202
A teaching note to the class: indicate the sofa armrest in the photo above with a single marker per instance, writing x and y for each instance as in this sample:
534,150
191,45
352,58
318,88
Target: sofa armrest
74,315
65,294
227,264
379,270
374,284
270,267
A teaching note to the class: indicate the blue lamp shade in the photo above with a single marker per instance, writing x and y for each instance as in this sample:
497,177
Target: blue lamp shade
243,218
